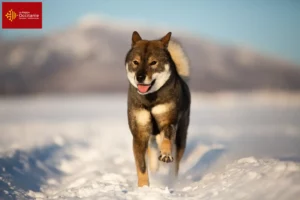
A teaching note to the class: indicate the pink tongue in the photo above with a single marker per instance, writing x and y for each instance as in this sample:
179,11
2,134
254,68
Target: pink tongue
143,88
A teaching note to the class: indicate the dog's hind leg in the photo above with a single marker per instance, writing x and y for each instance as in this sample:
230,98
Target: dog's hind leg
180,142
153,154
179,154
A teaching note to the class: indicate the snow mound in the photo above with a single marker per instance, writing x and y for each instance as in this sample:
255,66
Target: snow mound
76,148
246,178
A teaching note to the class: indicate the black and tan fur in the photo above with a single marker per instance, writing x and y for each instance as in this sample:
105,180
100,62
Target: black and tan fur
161,114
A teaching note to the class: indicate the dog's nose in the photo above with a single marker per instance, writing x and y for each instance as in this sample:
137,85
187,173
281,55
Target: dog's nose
140,78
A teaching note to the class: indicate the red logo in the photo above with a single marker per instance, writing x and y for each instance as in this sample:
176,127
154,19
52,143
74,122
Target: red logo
21,15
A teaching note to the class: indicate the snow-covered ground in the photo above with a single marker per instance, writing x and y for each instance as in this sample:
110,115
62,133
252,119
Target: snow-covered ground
79,147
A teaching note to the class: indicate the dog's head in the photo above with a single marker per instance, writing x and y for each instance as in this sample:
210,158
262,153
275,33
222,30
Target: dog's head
148,63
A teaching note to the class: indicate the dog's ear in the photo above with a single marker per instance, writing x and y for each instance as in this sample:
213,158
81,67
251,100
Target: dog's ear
165,40
135,37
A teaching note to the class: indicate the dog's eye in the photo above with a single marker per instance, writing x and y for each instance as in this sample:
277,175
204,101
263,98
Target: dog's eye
153,63
135,62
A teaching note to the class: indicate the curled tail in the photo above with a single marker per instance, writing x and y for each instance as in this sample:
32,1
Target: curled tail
180,59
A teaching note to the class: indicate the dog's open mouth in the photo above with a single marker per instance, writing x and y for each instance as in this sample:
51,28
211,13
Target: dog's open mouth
143,88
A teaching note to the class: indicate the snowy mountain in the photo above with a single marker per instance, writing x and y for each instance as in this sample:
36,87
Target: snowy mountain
89,57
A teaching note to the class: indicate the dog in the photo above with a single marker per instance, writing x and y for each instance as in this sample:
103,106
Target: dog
158,103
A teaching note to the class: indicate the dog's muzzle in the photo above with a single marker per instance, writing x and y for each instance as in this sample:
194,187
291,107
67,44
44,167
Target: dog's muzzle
144,88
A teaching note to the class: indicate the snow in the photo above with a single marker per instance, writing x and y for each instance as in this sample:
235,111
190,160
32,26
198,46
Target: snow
79,147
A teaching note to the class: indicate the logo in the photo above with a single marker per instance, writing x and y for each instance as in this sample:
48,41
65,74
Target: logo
21,15
11,15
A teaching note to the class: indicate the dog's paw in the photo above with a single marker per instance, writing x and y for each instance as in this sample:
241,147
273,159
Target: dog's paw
167,158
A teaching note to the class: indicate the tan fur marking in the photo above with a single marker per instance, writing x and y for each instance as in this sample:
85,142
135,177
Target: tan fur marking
148,79
162,108
166,146
143,178
137,58
150,60
142,117
159,139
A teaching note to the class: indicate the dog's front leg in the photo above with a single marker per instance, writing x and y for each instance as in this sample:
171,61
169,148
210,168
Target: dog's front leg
139,148
141,128
167,138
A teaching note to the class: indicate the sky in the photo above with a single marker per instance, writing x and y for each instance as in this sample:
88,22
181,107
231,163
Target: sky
269,26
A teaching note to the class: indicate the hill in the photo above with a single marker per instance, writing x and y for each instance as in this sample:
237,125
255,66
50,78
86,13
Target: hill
89,57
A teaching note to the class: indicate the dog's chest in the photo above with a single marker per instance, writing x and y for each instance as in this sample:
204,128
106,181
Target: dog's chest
163,113
162,109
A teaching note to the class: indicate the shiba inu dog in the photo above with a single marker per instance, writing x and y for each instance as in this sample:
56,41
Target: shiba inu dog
158,102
